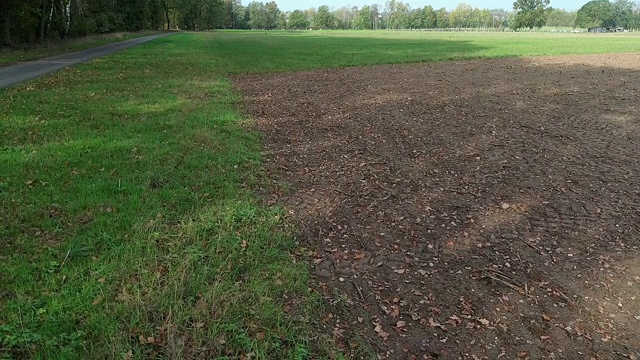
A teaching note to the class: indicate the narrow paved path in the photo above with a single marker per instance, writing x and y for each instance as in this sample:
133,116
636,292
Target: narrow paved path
11,75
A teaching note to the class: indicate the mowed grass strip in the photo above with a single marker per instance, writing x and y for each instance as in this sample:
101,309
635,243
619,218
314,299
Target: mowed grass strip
54,47
128,223
128,228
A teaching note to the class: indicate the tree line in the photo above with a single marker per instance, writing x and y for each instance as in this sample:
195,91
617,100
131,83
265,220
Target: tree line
31,21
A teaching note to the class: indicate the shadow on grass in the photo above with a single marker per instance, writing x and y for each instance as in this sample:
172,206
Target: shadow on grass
285,52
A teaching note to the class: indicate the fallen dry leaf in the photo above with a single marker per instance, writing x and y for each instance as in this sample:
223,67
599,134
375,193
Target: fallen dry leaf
453,320
434,324
98,299
378,329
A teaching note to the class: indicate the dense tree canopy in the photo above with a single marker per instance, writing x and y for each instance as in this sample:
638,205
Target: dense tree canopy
561,18
529,14
298,20
323,19
595,13
602,13
29,21
364,19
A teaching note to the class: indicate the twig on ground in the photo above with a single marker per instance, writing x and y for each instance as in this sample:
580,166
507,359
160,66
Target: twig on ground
359,290
506,283
532,246
391,192
372,163
564,297
461,192
342,192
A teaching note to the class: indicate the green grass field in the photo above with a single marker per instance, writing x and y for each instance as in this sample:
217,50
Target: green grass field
285,51
129,225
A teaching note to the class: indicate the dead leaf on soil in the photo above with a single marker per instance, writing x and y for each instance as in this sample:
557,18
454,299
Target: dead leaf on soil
378,329
454,321
466,306
434,324
359,256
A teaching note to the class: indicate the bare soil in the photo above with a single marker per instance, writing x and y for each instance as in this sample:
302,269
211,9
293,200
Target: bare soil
465,210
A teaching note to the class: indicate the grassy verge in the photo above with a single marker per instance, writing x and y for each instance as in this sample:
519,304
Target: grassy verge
128,229
10,56
127,223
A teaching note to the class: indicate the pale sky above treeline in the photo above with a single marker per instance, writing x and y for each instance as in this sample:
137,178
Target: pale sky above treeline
290,5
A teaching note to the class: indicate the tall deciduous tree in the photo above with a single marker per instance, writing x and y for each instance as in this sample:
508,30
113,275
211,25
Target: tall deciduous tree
428,17
343,17
485,20
529,13
561,18
298,20
323,19
258,16
595,13
415,19
273,13
396,14
442,18
364,19
461,16
623,13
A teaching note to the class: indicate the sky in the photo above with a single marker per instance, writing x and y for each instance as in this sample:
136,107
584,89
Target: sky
290,5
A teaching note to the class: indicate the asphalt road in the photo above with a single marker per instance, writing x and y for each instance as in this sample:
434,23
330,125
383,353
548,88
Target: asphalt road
14,74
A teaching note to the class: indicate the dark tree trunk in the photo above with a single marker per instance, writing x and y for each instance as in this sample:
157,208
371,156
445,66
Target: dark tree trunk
5,26
5,32
45,12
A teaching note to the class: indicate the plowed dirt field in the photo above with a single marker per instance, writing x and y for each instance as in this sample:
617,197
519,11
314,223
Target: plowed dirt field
476,209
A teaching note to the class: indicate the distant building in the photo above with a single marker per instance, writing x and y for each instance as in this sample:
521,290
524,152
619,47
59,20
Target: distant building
605,29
